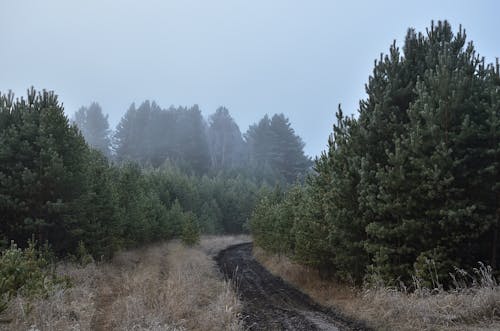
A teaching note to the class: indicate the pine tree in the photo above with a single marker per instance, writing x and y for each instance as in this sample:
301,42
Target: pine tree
414,179
95,127
137,134
42,170
276,151
192,141
429,201
225,141
190,230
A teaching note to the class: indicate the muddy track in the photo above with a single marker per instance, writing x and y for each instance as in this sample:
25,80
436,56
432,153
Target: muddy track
107,294
269,303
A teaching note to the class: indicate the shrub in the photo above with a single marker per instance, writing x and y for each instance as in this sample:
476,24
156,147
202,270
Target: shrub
190,230
24,271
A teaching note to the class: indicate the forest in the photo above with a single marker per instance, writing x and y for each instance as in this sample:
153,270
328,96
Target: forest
410,186
163,173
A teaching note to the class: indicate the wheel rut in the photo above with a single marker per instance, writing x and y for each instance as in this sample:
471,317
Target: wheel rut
269,303
106,296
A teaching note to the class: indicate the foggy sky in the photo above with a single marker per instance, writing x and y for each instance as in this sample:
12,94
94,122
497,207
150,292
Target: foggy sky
301,58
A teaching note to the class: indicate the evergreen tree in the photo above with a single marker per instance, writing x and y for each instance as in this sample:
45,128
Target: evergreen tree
190,230
135,138
42,170
191,142
431,203
276,151
414,179
100,228
287,149
95,127
225,141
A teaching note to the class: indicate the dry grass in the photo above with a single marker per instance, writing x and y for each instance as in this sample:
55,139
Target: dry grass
175,287
473,308
162,287
67,309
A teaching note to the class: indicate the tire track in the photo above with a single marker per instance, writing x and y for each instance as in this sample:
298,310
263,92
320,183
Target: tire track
269,303
107,294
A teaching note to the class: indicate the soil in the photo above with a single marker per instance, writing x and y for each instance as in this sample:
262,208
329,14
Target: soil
269,303
107,294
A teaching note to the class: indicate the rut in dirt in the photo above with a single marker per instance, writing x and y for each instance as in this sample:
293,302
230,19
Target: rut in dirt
269,303
107,294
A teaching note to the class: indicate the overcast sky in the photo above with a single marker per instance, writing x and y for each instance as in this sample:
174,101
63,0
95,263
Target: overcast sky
301,58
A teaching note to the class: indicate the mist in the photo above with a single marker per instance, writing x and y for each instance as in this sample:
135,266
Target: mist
254,58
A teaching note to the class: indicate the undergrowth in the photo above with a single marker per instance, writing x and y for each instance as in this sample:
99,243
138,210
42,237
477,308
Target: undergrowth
28,272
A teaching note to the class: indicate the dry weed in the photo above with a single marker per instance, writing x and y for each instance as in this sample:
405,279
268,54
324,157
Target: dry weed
175,287
162,287
66,309
472,308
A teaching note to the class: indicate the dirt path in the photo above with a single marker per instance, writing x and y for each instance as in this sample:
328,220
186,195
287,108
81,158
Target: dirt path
106,296
271,304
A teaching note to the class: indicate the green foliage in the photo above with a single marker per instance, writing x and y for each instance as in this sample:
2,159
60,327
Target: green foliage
42,170
24,271
82,255
275,151
413,181
57,189
190,234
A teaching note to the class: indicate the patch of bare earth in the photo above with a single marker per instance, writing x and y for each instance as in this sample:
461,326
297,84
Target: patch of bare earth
269,303
165,286
108,290
474,309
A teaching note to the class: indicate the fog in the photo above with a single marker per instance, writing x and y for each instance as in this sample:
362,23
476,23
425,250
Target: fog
300,58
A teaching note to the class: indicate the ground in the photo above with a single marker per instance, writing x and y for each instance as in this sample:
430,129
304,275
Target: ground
271,304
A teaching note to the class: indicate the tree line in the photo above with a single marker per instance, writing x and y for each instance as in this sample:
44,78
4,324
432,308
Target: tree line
411,187
158,182
150,136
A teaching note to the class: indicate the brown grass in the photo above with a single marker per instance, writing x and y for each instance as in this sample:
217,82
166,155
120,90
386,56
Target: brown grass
162,287
472,308
67,309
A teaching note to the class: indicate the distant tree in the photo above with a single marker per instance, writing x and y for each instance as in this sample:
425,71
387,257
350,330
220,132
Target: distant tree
150,136
95,127
272,143
287,149
137,134
259,139
225,141
191,140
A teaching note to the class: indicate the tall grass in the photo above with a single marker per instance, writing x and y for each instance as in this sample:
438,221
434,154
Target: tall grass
66,308
166,286
473,304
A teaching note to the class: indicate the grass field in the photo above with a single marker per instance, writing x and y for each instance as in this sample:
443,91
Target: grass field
165,286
